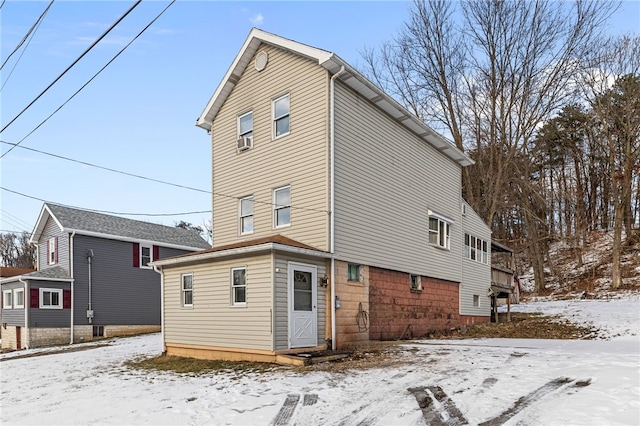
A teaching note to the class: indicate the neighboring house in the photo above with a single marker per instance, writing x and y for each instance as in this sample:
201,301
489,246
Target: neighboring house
93,278
337,217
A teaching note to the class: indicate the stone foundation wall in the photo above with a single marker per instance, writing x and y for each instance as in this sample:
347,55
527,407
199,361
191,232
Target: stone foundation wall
9,337
352,318
39,337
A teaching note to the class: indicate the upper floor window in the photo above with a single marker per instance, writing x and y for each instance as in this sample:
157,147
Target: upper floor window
439,231
282,206
245,131
50,298
18,298
246,215
52,251
187,290
476,249
281,116
239,286
353,272
145,255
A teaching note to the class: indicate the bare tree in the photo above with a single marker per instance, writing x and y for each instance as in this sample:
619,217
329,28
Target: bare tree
490,79
16,251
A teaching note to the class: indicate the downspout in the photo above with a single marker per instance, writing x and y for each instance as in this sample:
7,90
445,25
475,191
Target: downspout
332,184
90,306
71,268
159,270
27,306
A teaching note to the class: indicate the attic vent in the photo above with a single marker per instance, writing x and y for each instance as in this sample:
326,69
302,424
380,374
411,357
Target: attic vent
261,60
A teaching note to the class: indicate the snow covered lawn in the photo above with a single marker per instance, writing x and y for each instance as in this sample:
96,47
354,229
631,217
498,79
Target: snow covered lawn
482,381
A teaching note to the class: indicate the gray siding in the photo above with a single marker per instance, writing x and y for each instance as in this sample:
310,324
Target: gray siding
13,316
386,180
281,298
476,277
48,318
121,293
51,229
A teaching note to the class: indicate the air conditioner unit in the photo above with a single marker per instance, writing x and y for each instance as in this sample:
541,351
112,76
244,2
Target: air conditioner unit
244,143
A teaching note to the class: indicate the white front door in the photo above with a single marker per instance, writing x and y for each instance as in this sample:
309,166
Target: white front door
303,295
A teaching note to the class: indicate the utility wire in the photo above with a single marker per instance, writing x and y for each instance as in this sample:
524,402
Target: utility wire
89,81
70,66
108,168
21,54
14,218
33,27
152,179
2,4
104,211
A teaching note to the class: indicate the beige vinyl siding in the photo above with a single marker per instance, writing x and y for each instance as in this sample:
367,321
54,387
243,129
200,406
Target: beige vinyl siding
476,277
299,159
212,320
387,179
281,298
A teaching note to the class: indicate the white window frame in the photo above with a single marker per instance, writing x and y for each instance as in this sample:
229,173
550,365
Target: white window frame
52,291
476,301
247,133
277,207
442,233
275,119
52,251
7,299
17,305
151,259
234,286
183,291
358,268
475,249
418,282
242,217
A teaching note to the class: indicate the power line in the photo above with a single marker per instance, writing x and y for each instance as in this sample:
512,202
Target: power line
70,66
107,168
34,26
21,54
89,81
105,211
14,218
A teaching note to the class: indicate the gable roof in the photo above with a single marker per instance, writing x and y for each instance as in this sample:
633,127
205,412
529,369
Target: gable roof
85,222
333,64
55,273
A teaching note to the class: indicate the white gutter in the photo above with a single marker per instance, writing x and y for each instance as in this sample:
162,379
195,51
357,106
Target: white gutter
158,269
72,281
26,309
332,179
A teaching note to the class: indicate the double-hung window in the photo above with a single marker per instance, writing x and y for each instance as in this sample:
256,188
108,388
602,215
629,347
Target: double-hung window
281,116
50,298
246,215
282,206
187,290
439,231
239,286
145,255
475,249
245,131
18,298
7,302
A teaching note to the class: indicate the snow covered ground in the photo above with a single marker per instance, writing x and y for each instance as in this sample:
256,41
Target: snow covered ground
484,381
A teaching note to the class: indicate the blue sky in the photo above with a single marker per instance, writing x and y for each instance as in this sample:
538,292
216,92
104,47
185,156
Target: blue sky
138,115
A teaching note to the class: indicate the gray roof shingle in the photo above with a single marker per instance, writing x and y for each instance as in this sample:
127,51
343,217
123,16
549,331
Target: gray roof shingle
84,220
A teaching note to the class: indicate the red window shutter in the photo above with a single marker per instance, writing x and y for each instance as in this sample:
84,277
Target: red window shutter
56,252
66,299
35,297
156,252
48,254
136,255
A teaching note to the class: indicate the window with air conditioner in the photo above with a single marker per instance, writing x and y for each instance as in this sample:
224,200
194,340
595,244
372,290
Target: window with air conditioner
245,131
